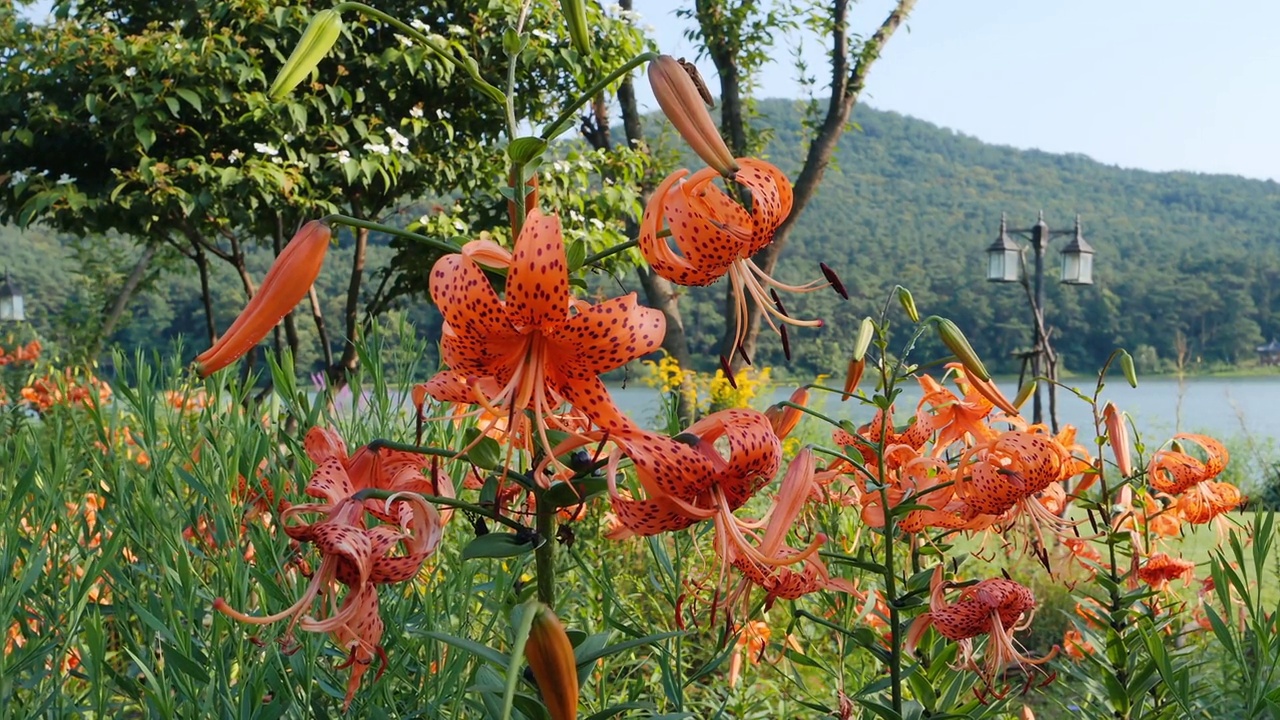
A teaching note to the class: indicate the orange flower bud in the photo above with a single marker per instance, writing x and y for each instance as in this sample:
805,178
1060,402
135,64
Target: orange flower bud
683,104
286,283
550,656
853,377
785,419
1118,438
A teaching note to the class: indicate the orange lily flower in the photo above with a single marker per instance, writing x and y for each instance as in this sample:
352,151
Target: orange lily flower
996,608
957,417
354,555
686,480
1172,471
1160,569
1074,644
537,348
715,236
1205,501
284,286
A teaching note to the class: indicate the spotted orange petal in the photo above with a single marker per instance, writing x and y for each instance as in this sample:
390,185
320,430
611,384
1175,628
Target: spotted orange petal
538,282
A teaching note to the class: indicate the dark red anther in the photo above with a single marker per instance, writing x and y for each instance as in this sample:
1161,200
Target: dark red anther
834,279
728,371
786,342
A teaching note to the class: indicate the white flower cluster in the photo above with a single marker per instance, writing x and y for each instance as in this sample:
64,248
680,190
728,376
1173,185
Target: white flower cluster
378,148
416,111
399,142
266,149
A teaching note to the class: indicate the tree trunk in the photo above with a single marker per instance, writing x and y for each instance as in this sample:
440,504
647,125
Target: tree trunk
846,86
202,263
290,325
123,297
318,316
351,313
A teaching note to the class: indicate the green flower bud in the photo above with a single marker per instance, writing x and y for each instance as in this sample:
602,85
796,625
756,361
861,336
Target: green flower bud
959,345
321,33
575,14
908,303
1025,392
1126,365
863,340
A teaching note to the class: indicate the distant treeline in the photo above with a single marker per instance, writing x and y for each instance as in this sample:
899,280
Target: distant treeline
1187,265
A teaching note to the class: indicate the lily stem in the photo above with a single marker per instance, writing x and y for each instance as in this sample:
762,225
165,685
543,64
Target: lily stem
567,115
438,244
380,494
545,555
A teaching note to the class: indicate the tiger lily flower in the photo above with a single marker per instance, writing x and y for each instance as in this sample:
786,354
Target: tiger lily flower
687,480
1160,569
715,236
537,347
1173,471
996,608
286,283
353,555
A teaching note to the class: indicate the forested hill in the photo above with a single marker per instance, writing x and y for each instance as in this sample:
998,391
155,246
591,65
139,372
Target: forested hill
1178,254
908,202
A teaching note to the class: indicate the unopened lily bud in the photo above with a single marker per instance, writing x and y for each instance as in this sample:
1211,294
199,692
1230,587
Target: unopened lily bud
682,103
550,656
862,340
284,286
785,418
1118,438
1025,392
575,15
321,33
908,303
959,345
853,377
1126,366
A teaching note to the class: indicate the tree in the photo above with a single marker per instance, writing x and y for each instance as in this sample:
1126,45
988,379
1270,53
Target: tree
158,127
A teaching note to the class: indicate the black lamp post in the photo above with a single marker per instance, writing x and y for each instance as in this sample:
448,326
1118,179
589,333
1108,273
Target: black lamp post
11,309
1005,263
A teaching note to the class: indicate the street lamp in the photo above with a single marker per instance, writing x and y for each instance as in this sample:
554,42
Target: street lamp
11,309
1005,263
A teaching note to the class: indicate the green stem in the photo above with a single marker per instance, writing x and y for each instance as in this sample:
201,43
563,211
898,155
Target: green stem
380,494
470,68
441,245
620,247
566,117
545,555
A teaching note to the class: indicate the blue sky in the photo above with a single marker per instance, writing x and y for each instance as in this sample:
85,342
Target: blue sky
1154,84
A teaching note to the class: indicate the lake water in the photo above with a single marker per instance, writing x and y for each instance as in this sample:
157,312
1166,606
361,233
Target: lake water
1223,407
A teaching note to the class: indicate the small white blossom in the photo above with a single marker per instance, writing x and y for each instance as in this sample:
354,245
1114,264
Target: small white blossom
34,95
459,225
541,34
43,173
416,111
18,177
343,156
407,42
266,149
399,142
235,155
459,31
418,24
93,119
288,137
378,148
65,180
424,219
131,72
